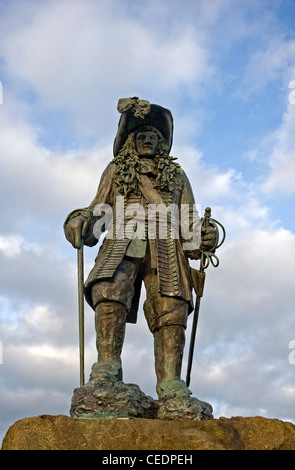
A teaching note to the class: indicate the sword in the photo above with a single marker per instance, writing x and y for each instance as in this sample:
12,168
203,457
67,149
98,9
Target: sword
80,263
198,280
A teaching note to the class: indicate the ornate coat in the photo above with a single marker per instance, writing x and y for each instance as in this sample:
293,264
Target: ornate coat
167,254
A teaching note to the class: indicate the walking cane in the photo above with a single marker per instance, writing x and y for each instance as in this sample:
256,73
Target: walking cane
80,262
198,278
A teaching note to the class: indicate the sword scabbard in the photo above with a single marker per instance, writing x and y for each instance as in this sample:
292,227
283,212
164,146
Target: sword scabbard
198,281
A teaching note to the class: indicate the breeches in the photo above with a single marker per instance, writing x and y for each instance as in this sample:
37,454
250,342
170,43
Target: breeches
159,310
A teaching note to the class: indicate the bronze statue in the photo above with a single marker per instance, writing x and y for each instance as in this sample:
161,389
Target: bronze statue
140,247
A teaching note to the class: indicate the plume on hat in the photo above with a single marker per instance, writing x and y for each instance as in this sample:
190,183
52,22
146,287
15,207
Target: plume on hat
139,107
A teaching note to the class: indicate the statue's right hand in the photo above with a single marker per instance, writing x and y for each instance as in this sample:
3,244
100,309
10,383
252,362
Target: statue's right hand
75,230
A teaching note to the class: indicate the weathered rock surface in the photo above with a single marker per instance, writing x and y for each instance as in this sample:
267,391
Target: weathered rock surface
99,399
64,433
180,408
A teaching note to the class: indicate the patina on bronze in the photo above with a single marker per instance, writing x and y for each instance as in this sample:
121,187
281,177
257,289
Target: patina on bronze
141,176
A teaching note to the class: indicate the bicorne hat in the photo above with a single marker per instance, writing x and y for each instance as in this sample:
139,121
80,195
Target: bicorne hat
136,113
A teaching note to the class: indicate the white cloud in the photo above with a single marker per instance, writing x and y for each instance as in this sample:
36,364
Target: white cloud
95,52
275,60
39,187
281,177
12,246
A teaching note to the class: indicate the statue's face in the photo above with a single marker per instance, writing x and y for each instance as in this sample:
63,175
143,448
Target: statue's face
147,143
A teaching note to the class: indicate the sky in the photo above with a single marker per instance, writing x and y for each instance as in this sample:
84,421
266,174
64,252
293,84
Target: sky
226,70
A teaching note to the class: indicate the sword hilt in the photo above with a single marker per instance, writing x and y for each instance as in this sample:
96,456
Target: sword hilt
208,256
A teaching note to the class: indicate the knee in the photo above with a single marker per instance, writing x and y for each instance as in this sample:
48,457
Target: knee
107,309
165,311
120,291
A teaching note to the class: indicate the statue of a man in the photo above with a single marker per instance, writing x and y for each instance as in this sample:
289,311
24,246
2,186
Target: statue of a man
142,176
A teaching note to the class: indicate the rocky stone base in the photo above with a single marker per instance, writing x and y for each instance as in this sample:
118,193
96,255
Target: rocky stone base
183,408
99,399
102,399
64,433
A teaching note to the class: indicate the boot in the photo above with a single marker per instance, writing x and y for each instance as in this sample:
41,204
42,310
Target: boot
110,322
174,401
169,343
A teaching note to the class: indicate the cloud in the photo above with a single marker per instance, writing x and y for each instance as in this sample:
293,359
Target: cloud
13,245
68,56
270,63
43,185
280,178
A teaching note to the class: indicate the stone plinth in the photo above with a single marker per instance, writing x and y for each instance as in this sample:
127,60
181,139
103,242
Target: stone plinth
64,433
